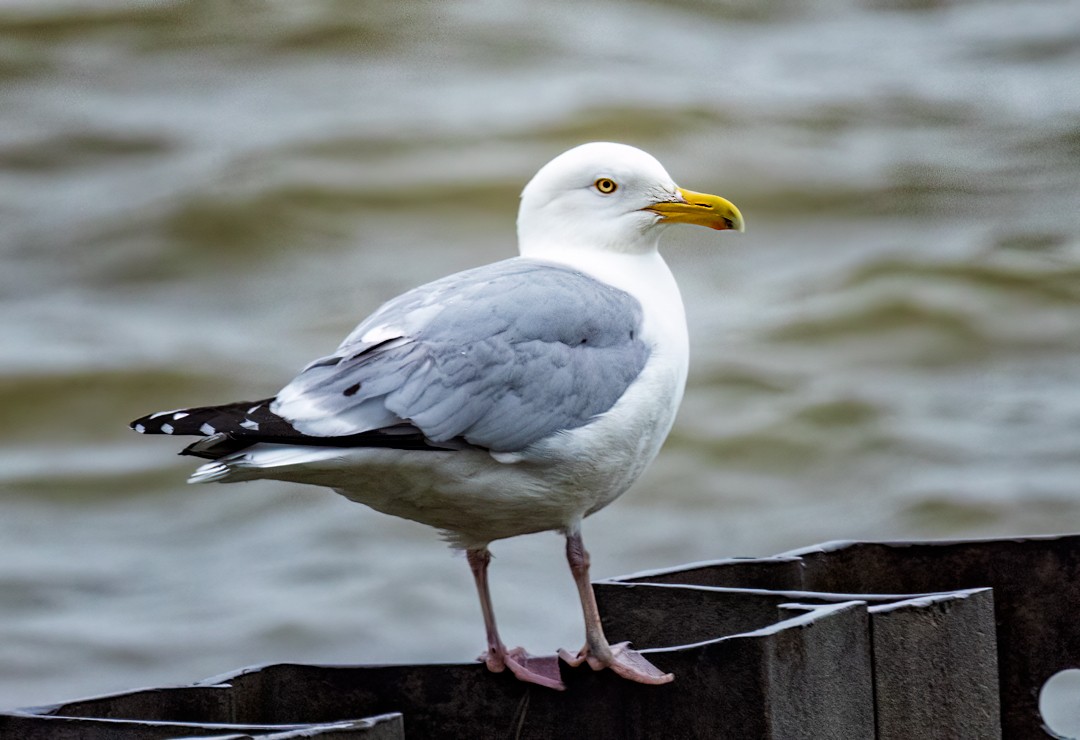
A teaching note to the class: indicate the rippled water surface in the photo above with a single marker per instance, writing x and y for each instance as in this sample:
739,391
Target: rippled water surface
198,197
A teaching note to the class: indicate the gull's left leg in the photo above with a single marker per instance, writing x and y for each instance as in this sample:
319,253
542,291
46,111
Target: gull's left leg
542,671
627,663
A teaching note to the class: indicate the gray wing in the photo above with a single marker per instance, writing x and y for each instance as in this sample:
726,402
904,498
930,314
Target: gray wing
502,356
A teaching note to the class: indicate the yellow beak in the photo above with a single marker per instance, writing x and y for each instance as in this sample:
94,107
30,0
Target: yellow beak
701,209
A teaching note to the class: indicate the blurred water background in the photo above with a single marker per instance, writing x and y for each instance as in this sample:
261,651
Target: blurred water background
197,197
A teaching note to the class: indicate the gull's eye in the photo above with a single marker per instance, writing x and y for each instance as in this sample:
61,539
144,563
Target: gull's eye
605,185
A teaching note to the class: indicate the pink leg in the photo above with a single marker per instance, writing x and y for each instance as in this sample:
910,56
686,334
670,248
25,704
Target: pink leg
542,671
597,652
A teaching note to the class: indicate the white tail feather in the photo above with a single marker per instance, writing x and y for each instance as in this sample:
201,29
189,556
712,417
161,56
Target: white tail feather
261,461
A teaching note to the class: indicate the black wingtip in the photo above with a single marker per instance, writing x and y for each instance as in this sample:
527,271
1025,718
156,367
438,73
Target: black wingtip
202,421
161,422
139,425
215,446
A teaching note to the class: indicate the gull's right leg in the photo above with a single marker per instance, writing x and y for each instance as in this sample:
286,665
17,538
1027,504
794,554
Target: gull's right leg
543,670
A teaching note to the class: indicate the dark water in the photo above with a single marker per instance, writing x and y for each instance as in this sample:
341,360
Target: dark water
198,197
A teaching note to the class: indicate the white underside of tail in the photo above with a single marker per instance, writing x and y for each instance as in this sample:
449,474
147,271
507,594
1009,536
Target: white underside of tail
259,462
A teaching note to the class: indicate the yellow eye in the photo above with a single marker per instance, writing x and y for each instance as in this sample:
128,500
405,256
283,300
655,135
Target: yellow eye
605,186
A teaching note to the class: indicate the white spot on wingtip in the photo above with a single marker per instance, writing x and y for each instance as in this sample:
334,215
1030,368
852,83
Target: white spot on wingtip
140,429
164,413
207,429
179,415
249,424
167,428
254,408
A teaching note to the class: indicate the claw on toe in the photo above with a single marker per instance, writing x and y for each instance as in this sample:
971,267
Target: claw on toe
627,663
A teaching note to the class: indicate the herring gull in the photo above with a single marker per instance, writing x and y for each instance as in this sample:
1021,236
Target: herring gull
513,398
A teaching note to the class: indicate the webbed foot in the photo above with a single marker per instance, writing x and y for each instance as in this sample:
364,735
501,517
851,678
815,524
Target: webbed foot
541,670
630,664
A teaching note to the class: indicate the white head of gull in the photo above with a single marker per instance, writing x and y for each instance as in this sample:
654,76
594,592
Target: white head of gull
517,397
